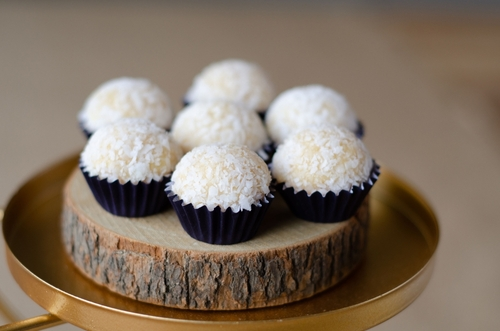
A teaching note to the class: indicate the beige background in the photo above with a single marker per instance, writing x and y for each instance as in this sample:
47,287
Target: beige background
425,90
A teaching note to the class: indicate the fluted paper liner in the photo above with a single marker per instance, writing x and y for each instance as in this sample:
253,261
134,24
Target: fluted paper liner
330,208
360,131
219,227
86,132
129,200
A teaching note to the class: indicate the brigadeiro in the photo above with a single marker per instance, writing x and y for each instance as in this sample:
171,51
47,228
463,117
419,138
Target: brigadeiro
128,164
220,193
233,80
324,174
219,121
306,107
125,97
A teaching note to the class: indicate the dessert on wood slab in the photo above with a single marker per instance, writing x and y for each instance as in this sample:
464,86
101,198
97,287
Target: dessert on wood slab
226,222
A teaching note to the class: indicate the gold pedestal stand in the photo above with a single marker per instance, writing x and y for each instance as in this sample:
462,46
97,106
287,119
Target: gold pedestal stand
403,238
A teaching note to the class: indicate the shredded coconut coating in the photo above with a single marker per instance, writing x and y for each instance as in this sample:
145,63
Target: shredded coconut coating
211,122
126,98
228,176
233,80
307,107
324,160
131,150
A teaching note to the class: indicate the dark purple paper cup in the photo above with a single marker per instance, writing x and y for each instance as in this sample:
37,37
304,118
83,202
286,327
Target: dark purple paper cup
129,200
267,152
219,227
85,131
360,131
330,208
262,115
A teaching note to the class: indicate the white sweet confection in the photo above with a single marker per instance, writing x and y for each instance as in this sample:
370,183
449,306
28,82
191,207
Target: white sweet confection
130,150
210,122
228,176
306,107
125,98
233,80
323,160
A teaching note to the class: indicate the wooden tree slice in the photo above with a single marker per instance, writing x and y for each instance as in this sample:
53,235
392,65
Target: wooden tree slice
154,260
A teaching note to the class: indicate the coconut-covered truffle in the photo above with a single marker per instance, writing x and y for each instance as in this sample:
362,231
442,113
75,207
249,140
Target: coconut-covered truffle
307,107
130,150
322,160
227,176
126,98
233,80
210,122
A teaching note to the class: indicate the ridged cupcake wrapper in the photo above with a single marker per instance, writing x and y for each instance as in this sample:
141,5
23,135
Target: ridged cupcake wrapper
219,227
267,152
330,208
262,115
85,131
360,131
129,200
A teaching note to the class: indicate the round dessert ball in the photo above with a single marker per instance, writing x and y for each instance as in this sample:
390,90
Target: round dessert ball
233,80
125,98
307,107
130,150
211,122
225,176
322,160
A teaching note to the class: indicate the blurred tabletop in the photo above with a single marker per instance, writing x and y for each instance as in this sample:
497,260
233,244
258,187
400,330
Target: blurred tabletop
425,83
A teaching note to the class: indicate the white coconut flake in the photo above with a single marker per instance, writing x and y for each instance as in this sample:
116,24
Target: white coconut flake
130,150
126,98
233,80
227,176
308,107
211,122
322,160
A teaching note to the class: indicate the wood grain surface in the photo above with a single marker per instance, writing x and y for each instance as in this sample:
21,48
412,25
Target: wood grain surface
152,259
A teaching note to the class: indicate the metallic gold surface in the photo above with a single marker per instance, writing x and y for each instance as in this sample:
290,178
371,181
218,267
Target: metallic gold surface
403,238
35,323
5,309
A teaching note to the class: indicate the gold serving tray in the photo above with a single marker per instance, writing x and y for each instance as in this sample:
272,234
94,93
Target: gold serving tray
403,238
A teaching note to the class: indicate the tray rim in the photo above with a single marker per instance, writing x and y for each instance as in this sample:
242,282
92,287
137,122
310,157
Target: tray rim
381,308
